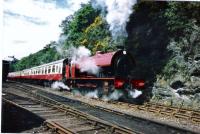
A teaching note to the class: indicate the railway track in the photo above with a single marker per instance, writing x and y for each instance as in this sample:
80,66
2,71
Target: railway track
175,112
61,119
135,124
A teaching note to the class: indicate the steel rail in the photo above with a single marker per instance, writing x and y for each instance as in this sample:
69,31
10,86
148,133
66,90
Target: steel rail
110,128
105,109
175,112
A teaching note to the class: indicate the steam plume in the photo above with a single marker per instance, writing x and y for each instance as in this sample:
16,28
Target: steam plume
113,96
93,94
58,85
135,93
81,57
118,12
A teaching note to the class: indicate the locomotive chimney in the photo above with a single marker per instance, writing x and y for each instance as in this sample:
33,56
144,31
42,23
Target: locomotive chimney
120,47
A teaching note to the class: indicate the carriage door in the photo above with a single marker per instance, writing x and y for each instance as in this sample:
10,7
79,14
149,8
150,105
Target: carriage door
73,68
67,71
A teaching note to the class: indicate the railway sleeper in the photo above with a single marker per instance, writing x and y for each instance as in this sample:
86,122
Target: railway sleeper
166,113
57,128
108,127
154,110
195,120
92,130
194,113
186,117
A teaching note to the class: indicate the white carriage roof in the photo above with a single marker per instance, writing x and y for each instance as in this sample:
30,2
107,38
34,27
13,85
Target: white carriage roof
47,64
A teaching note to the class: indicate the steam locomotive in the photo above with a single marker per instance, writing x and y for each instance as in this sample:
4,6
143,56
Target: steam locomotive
114,73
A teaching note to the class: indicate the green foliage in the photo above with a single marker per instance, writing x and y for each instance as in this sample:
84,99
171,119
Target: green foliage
74,26
181,17
97,36
48,54
183,22
171,68
87,28
152,29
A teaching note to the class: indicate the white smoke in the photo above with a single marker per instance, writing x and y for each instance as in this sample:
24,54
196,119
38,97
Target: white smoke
135,93
118,12
93,94
89,66
76,92
113,96
60,45
58,85
81,57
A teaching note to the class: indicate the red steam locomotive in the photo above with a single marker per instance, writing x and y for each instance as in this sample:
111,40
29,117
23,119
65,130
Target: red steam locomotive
114,69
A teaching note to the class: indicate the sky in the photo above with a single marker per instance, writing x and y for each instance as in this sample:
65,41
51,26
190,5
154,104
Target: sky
29,25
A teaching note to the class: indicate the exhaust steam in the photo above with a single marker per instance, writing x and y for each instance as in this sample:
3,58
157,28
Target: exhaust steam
59,85
93,94
118,12
81,57
134,94
113,96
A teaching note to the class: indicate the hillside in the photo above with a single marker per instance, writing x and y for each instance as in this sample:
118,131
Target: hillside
165,41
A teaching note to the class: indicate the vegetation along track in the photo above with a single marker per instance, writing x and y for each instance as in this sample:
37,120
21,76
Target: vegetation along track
117,118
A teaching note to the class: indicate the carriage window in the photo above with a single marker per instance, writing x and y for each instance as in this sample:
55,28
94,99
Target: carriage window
49,70
56,68
42,70
59,69
45,70
53,69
